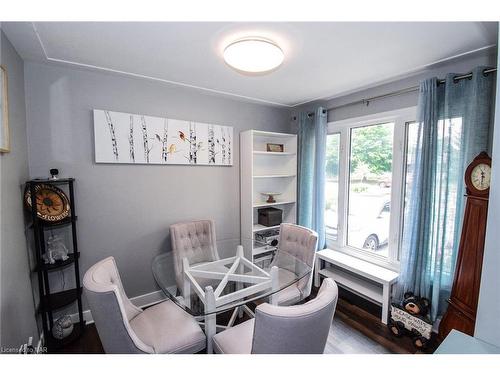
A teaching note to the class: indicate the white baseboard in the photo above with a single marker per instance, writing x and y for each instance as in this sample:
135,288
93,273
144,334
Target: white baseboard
142,301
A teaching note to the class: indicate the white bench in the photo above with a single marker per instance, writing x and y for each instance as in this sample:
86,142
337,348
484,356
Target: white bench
358,276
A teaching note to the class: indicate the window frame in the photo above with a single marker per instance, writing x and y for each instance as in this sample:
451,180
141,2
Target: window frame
400,118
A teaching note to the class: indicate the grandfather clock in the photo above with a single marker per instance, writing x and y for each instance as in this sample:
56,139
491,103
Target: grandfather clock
462,305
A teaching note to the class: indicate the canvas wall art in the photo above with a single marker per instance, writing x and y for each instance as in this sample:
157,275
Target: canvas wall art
137,139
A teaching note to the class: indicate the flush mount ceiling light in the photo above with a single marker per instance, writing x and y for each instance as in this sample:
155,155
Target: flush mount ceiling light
253,55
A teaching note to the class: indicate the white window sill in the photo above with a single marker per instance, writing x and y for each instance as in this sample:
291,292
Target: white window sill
367,257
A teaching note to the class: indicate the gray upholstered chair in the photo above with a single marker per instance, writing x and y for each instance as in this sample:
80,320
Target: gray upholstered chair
194,240
125,328
299,329
301,243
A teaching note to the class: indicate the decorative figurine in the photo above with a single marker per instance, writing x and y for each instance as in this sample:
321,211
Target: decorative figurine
56,250
62,327
270,196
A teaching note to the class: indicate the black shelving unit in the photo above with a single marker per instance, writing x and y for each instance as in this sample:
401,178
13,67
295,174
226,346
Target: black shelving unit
50,301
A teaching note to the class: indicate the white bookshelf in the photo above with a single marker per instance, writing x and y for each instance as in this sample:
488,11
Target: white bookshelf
263,171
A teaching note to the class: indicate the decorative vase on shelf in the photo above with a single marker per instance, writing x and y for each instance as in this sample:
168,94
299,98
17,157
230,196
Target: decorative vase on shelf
62,327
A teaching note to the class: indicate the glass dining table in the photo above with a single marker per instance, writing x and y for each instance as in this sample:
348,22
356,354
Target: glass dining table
244,271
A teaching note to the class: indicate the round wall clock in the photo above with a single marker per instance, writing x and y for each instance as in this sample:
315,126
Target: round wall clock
51,202
478,175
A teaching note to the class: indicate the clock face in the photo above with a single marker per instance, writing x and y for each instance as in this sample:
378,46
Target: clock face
481,177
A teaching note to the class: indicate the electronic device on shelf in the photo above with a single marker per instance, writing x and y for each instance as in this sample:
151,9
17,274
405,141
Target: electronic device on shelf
270,237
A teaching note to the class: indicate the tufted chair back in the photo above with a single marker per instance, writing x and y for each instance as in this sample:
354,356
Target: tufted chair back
299,329
301,243
194,240
111,309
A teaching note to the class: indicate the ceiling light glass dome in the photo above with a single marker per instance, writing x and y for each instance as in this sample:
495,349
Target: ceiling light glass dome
253,55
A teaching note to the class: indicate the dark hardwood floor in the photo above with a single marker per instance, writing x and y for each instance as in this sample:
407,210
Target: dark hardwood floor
356,329
371,327
88,343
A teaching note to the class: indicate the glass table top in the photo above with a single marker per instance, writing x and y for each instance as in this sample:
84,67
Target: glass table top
206,284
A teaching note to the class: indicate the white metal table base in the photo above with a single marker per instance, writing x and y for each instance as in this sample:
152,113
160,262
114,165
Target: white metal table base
212,299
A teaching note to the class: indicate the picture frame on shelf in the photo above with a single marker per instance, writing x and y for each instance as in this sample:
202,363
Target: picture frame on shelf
4,111
275,147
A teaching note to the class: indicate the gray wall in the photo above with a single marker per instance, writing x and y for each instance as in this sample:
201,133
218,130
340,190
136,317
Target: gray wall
461,65
16,303
125,210
488,322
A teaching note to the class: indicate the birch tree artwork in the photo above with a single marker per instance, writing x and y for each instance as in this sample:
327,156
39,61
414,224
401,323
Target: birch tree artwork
211,144
193,146
145,140
139,139
131,140
111,127
229,148
164,142
224,145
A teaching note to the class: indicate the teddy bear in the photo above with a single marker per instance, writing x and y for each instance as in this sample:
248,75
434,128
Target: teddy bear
415,305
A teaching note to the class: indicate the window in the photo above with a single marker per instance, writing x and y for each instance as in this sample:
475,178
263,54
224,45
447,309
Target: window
366,184
332,185
370,177
411,144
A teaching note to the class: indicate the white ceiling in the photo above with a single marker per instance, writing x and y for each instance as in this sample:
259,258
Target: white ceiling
322,60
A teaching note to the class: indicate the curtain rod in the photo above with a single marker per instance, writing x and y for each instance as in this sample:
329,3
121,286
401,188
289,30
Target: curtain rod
405,91
397,93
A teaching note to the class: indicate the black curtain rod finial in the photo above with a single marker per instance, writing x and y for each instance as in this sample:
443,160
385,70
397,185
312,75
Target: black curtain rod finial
311,114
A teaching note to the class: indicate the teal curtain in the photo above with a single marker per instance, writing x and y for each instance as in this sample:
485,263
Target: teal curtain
453,126
311,180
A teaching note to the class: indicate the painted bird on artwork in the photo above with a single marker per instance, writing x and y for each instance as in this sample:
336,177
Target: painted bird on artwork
182,136
171,149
